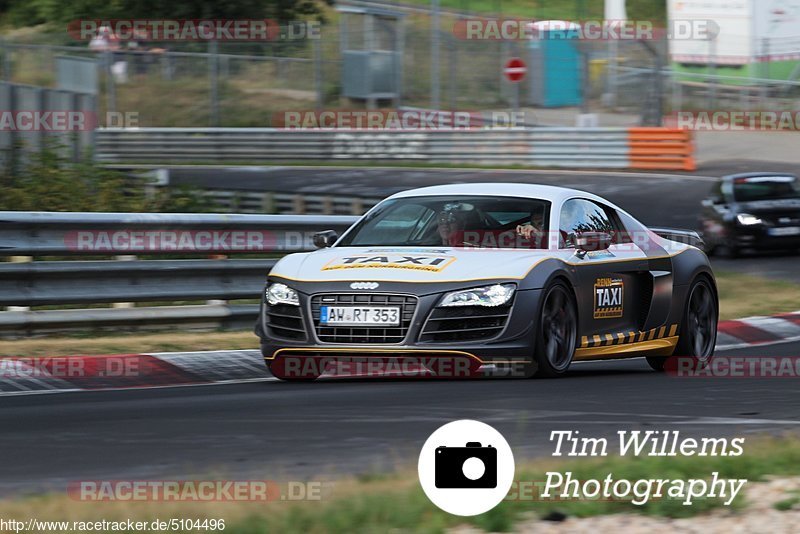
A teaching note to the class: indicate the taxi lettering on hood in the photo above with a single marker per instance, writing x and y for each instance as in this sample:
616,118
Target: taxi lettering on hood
416,262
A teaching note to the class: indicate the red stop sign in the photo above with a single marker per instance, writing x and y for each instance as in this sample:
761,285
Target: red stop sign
515,69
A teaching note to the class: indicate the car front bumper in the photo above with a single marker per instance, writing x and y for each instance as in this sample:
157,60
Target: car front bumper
513,343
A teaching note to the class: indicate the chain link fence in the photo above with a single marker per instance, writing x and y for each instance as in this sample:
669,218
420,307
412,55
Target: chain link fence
198,84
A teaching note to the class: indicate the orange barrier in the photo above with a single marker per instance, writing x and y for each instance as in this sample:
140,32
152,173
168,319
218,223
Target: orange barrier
661,148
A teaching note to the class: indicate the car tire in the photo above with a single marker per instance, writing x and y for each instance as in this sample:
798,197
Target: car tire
698,331
278,370
557,332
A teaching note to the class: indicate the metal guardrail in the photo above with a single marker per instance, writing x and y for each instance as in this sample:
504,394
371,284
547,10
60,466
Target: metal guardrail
42,283
548,147
288,203
26,283
30,103
49,233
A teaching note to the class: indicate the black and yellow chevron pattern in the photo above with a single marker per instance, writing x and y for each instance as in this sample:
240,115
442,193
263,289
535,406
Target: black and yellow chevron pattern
624,338
659,341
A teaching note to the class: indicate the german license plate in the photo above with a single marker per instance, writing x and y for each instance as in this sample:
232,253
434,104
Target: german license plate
784,231
359,315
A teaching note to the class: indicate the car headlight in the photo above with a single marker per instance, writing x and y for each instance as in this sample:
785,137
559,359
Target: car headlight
494,295
745,219
282,294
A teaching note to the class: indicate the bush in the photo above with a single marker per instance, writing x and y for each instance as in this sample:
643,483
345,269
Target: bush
48,182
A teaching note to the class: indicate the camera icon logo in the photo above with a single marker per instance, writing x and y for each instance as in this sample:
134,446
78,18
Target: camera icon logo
472,466
466,467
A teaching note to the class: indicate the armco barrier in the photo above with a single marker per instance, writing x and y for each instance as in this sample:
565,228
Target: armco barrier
25,283
661,149
56,233
618,148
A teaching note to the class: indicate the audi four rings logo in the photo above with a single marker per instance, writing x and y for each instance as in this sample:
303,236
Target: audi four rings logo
364,285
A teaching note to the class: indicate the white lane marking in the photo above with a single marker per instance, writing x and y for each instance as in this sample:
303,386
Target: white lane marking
251,355
218,365
774,325
756,345
247,352
735,421
165,386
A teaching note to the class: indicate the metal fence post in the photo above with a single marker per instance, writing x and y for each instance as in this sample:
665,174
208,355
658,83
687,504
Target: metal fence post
6,60
712,82
111,97
41,139
13,135
400,55
435,24
452,59
213,78
318,72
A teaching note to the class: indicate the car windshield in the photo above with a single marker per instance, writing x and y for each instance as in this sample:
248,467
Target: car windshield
469,221
765,188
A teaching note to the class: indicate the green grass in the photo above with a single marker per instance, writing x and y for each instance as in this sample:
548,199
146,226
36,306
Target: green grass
790,502
654,10
409,510
742,295
396,503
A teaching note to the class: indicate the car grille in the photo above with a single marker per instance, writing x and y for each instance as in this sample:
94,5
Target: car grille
467,323
782,219
364,334
285,321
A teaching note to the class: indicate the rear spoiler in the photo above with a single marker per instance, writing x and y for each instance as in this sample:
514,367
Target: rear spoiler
688,237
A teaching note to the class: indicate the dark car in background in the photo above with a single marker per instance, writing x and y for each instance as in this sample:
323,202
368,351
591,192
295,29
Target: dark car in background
755,211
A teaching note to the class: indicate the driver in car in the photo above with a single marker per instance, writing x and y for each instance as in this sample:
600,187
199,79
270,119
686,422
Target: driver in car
451,227
534,229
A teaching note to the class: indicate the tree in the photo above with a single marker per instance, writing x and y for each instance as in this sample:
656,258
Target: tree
60,12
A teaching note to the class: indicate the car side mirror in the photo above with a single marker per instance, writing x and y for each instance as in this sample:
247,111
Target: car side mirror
591,241
325,238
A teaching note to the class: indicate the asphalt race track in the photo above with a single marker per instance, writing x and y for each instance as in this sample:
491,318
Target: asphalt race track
671,200
282,431
336,427
656,199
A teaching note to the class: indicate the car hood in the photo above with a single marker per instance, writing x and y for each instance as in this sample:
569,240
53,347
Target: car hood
386,264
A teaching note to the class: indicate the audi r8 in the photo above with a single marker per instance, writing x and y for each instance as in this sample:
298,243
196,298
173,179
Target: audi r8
519,276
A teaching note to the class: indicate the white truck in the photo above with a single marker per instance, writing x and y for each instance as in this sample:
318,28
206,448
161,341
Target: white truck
756,39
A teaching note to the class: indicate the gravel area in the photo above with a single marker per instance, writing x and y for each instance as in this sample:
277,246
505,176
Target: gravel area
757,516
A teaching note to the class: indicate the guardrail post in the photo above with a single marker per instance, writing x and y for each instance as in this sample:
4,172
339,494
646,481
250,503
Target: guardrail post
327,205
126,257
299,204
268,203
19,259
357,206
